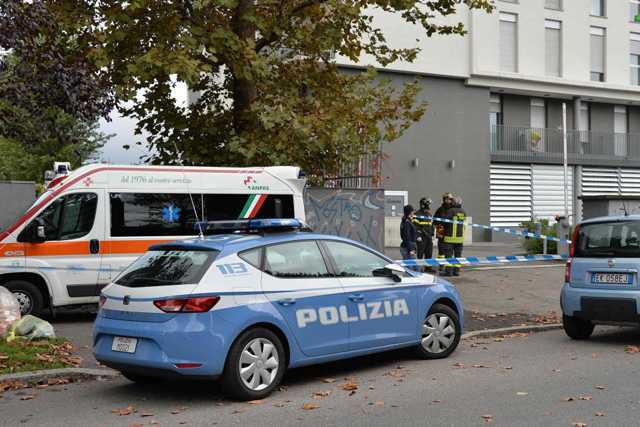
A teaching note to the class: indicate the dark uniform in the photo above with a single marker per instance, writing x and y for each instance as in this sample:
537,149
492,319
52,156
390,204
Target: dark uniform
408,234
424,226
454,236
442,212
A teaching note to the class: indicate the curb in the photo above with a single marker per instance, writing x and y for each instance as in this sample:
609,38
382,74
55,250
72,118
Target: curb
72,373
511,330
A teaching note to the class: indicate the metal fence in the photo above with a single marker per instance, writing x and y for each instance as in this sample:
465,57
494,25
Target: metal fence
522,144
363,173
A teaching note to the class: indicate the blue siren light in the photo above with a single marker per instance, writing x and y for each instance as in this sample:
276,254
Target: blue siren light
252,225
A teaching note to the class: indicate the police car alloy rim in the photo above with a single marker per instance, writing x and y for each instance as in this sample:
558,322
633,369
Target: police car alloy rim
438,333
24,301
259,364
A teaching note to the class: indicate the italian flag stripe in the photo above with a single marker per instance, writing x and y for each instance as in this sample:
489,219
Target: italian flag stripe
253,205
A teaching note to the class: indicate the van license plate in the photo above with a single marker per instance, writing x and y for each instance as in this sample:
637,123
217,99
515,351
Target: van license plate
124,344
612,278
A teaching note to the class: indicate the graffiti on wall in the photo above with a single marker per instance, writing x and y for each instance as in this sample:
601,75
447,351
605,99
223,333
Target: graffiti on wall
355,214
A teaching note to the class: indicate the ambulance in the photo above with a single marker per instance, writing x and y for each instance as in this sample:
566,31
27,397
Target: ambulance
91,223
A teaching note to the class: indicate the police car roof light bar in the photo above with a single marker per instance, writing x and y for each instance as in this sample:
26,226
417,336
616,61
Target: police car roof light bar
253,226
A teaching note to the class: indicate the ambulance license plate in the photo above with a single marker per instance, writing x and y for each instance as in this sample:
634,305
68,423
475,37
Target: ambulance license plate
124,344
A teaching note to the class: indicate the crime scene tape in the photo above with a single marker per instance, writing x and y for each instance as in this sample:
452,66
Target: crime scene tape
511,231
435,262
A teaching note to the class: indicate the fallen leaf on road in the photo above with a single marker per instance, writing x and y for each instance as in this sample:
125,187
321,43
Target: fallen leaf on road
498,339
600,387
135,425
599,414
594,355
28,397
310,406
585,398
487,418
632,349
349,386
568,399
328,380
459,365
352,392
508,368
579,425
436,401
479,366
321,394
522,393
124,411
547,414
153,423
279,405
146,414
256,402
379,403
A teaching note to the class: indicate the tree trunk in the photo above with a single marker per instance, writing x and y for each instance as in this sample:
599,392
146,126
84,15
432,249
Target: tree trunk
244,88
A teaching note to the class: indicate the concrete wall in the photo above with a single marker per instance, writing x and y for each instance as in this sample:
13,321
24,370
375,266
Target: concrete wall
16,197
454,128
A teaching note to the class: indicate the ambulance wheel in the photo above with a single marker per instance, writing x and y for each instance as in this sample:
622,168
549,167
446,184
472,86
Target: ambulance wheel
28,295
576,328
441,333
255,365
140,379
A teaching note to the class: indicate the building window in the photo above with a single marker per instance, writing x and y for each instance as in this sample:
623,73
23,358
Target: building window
495,110
538,113
553,46
634,8
553,4
635,59
509,42
620,128
598,8
597,54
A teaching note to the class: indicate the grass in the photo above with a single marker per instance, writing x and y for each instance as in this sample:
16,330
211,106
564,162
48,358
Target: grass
22,356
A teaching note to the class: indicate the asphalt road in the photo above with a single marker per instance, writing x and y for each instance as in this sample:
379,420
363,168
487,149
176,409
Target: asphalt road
540,379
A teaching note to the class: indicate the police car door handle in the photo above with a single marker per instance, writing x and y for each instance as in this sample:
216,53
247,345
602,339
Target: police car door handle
356,297
287,302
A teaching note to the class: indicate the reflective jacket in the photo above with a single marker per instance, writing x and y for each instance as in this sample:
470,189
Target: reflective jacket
454,233
424,226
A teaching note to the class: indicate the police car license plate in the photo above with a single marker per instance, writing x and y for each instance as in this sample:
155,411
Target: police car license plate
124,344
612,278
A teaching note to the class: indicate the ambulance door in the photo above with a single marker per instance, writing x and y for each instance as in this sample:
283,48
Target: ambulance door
69,257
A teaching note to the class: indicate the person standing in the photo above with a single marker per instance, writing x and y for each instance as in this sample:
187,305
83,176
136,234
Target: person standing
441,212
424,227
454,235
408,234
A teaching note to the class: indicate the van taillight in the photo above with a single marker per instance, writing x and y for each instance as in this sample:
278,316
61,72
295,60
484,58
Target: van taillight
567,271
187,305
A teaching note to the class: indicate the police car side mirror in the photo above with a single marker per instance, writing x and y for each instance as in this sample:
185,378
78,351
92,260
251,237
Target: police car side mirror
395,272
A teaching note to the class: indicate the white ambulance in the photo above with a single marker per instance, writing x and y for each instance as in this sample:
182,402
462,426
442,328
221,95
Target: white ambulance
93,222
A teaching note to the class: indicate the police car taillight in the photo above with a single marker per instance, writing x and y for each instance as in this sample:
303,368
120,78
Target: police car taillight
187,305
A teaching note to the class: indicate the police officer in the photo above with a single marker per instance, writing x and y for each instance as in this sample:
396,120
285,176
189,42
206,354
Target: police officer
424,227
408,234
454,234
441,212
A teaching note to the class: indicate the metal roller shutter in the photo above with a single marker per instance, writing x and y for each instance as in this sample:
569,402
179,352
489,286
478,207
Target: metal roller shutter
629,182
599,181
548,191
510,194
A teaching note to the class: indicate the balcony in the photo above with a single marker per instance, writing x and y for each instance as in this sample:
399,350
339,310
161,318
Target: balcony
532,145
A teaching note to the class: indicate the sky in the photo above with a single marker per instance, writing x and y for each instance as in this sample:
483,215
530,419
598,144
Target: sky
123,130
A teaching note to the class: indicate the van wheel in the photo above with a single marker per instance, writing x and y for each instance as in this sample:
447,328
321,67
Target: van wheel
576,328
441,333
255,365
28,295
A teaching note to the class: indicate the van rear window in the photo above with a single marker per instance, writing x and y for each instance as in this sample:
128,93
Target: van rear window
170,214
609,239
167,268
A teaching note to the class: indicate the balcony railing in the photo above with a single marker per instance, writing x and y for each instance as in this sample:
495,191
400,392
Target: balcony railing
522,144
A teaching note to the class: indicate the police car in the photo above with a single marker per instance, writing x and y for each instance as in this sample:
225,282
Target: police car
247,305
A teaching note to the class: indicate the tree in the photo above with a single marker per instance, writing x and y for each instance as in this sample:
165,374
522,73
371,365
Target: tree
268,90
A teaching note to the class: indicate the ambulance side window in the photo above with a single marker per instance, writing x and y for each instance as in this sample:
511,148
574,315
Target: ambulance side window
69,217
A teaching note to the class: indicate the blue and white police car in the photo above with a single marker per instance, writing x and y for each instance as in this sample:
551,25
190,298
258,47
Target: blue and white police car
247,305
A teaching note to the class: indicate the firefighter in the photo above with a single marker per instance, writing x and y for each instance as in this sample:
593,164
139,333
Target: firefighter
408,234
454,235
424,227
441,212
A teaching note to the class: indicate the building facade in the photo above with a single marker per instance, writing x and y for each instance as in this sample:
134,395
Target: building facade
493,129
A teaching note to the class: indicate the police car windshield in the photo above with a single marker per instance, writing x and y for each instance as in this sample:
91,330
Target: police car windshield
167,268
609,239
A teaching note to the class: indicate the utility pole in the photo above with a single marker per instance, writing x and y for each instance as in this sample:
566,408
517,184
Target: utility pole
565,161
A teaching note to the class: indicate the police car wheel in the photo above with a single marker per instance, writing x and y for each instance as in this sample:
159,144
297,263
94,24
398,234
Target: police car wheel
28,295
440,333
255,365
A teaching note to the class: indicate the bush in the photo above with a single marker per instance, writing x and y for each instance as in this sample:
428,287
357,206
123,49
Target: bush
533,245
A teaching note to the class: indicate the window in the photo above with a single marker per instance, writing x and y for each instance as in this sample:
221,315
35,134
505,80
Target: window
69,217
634,10
598,8
509,42
553,45
553,4
352,261
149,214
495,110
295,260
620,130
619,239
252,256
538,114
597,54
635,59
167,267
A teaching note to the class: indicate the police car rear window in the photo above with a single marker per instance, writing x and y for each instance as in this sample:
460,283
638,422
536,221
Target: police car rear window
167,268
